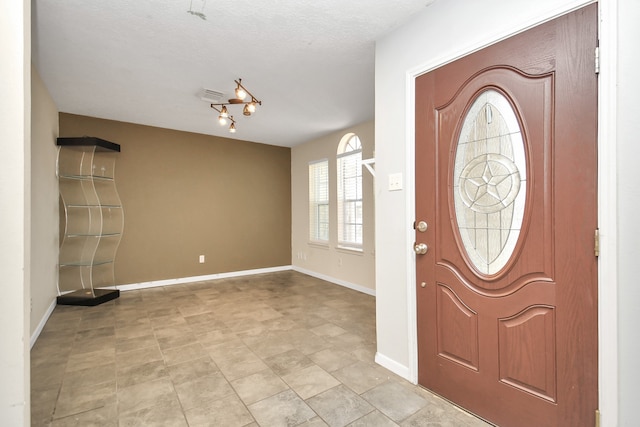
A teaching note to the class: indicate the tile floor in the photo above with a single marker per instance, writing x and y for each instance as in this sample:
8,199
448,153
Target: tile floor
278,349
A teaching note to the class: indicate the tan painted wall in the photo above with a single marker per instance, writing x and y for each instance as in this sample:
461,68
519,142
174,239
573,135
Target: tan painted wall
44,200
187,194
357,268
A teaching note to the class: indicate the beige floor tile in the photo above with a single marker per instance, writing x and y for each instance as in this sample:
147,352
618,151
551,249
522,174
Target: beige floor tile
127,330
43,404
258,386
192,370
81,361
166,414
228,411
270,345
227,350
328,330
314,422
241,366
361,377
140,373
339,406
75,400
91,345
375,419
395,401
185,353
135,343
282,410
216,336
143,395
138,356
203,391
332,359
310,381
287,362
88,377
106,416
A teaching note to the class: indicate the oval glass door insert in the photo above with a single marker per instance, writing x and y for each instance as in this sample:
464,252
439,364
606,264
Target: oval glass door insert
489,182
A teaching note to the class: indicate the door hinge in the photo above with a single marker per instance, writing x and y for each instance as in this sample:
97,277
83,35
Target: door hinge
597,418
596,245
597,55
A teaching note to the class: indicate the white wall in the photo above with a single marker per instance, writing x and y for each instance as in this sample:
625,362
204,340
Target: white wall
628,196
44,204
446,30
15,59
349,268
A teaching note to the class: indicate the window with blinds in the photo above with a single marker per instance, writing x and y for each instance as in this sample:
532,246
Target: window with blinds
349,164
319,201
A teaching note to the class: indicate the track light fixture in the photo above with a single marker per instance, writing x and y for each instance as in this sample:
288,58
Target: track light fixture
241,99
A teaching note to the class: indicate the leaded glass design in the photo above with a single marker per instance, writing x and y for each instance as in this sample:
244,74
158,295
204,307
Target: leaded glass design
489,182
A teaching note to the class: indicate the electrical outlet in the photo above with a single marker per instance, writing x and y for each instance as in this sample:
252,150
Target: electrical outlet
201,259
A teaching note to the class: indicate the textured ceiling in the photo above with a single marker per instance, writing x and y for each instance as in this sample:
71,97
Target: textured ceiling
310,62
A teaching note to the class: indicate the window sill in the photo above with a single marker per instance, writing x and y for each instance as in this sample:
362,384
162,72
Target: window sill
319,245
350,250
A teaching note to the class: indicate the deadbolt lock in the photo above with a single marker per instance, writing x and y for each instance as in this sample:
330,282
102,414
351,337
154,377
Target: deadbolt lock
422,226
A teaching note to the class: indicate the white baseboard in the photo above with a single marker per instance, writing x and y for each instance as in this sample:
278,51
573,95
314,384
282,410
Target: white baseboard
393,366
344,283
43,322
181,280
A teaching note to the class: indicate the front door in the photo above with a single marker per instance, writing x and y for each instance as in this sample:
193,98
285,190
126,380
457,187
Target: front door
505,222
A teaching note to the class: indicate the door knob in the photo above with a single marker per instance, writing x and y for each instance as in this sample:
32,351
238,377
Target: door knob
420,248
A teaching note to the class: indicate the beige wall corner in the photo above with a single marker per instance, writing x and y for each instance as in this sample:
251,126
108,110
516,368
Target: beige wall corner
44,203
346,267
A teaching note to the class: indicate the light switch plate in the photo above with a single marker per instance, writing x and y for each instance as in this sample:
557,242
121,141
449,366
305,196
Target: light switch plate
395,181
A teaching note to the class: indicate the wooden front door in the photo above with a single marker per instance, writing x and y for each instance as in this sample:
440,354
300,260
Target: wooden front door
506,204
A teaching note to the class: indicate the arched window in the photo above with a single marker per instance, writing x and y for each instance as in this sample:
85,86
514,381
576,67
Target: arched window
349,165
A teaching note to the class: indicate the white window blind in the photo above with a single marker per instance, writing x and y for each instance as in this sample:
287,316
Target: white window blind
319,201
350,221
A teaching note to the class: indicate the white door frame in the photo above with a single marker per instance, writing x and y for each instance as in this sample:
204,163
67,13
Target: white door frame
607,204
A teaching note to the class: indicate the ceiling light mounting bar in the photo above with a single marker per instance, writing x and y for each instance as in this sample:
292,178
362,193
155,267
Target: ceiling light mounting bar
253,98
241,94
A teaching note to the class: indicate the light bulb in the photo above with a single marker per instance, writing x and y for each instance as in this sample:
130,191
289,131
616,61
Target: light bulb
246,110
222,120
224,112
240,93
232,128
252,107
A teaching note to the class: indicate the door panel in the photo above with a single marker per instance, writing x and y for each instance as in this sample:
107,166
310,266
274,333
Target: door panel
506,179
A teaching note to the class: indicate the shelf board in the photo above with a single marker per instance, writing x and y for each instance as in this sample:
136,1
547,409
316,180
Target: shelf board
87,177
86,297
93,263
95,206
91,235
81,141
